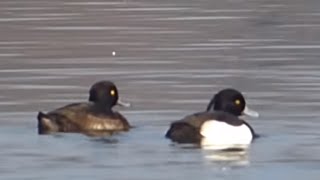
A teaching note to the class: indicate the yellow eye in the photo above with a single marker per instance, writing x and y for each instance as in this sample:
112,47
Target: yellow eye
112,92
237,102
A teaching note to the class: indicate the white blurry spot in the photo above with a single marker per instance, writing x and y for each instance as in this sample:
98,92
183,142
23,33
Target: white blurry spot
113,53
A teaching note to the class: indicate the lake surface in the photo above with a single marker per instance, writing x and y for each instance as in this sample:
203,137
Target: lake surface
170,58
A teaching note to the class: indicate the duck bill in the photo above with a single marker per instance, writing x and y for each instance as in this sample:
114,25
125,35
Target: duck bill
250,112
123,104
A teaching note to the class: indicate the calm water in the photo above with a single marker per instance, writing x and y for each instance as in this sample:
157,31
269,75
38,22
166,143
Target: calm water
171,57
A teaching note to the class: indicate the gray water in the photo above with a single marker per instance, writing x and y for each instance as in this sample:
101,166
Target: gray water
170,58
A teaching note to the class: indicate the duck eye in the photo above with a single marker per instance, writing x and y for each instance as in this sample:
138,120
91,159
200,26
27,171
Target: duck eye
237,102
112,92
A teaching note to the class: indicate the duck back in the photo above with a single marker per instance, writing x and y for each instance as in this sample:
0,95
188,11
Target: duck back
81,117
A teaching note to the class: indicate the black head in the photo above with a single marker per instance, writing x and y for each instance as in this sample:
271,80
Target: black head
104,93
231,101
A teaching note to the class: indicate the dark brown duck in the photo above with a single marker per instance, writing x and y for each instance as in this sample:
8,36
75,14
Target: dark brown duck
95,115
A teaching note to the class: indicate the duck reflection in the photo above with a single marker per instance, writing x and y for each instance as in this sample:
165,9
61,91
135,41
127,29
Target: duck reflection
235,156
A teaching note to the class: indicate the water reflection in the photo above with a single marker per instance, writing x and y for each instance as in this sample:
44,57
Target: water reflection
104,140
230,157
235,156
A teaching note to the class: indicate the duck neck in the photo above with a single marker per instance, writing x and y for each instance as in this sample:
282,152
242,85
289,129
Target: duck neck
103,107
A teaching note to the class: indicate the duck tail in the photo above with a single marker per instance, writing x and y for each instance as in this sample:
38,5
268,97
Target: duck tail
183,133
45,124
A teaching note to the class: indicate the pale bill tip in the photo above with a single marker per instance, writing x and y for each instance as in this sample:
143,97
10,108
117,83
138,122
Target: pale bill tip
123,104
249,112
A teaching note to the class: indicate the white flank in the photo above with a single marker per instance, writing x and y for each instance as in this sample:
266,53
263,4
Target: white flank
220,135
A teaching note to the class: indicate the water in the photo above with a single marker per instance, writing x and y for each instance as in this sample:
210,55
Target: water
171,57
